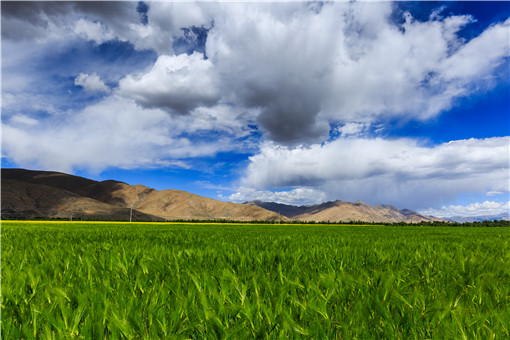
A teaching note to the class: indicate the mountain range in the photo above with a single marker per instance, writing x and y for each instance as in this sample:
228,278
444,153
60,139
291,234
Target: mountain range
346,212
29,194
480,218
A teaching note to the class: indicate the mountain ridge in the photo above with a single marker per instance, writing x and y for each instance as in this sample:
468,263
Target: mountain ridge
49,194
346,212
480,218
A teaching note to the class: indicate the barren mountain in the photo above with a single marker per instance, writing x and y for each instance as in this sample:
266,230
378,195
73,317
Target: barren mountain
345,212
25,200
45,194
481,218
173,204
30,194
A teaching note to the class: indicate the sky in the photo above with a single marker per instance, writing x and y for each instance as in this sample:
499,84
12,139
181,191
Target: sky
401,103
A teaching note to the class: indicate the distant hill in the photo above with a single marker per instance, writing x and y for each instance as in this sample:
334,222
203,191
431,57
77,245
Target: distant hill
25,200
46,194
345,212
28,194
463,219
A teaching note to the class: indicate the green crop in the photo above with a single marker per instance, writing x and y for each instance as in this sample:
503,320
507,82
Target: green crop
149,281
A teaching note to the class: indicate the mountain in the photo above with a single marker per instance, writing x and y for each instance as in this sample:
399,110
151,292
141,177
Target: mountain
28,194
45,194
463,219
345,212
25,200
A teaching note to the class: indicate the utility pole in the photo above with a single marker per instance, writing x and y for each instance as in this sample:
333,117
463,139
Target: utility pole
131,213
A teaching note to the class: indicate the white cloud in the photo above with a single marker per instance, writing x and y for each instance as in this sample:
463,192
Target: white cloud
175,83
352,129
35,22
20,102
23,120
221,117
487,208
301,65
112,133
94,31
91,83
297,196
274,57
415,74
479,57
165,21
346,62
399,172
45,22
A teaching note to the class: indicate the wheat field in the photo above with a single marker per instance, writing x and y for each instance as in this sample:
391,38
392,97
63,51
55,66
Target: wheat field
233,281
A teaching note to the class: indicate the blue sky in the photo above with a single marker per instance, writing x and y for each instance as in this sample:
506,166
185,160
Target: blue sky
403,103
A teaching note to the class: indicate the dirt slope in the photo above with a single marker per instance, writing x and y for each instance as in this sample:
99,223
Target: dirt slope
174,204
24,200
346,212
30,194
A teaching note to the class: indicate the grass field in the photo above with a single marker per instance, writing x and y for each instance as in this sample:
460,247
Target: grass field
149,281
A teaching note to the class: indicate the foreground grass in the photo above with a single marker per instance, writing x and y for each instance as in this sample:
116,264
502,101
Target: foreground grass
119,280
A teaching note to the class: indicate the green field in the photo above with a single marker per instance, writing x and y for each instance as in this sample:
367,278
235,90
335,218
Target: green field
149,281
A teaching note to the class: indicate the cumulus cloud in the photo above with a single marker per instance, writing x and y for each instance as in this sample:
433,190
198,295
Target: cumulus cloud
94,31
221,117
487,208
175,83
479,57
91,83
399,172
115,132
297,196
410,73
37,21
302,66
307,67
48,20
101,21
275,59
